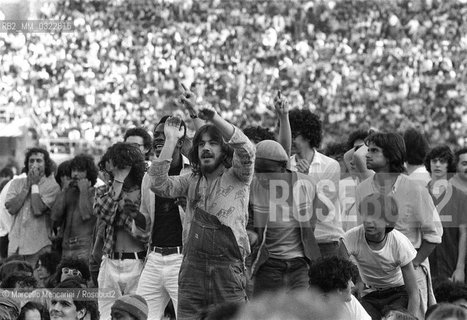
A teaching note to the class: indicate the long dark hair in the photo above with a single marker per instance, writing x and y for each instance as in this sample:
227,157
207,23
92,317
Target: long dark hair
124,155
84,162
393,149
47,161
216,135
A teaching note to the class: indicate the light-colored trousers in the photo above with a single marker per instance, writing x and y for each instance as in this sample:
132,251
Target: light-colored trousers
159,282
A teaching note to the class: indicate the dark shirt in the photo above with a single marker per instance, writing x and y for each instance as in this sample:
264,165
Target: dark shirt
451,206
167,229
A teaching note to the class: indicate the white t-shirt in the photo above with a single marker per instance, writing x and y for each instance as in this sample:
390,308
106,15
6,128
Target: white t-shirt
380,269
353,310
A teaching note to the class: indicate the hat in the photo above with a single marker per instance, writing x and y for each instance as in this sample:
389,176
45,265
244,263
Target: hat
271,150
134,304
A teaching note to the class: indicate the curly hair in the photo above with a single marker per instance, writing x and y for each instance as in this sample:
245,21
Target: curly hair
84,162
448,291
393,149
308,125
123,155
441,152
73,263
458,154
15,265
140,132
258,134
49,164
63,170
216,135
416,145
23,279
332,274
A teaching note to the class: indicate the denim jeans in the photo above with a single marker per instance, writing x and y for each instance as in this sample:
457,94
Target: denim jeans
277,274
212,270
392,298
77,247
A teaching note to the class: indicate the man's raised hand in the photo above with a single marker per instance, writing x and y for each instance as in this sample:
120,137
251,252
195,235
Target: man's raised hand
206,113
173,128
188,99
281,104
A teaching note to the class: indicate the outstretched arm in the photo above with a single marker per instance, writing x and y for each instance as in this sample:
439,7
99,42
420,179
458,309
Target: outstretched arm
285,132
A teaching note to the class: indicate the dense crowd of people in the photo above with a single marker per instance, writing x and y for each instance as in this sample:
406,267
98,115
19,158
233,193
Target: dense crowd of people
356,63
373,228
263,159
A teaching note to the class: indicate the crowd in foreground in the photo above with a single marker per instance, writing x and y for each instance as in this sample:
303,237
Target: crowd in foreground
247,224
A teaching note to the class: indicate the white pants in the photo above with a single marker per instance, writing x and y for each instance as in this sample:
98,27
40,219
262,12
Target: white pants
116,278
159,282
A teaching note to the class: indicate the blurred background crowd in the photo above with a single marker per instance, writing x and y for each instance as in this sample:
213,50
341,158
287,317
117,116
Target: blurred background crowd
384,64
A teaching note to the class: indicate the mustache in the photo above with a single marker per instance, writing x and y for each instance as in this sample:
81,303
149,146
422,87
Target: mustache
207,154
54,313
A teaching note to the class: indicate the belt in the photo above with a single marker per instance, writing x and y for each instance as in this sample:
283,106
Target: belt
165,251
127,255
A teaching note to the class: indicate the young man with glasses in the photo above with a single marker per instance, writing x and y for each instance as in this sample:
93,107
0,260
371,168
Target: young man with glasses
141,139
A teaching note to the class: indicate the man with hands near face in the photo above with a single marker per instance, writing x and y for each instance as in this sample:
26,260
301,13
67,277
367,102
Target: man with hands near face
74,206
118,205
28,200
215,241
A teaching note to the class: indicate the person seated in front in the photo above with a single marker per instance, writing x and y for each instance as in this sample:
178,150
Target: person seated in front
383,257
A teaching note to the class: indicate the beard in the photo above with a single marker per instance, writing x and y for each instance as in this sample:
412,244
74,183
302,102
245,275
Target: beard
210,168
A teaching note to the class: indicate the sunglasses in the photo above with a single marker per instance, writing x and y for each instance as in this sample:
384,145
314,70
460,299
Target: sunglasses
71,272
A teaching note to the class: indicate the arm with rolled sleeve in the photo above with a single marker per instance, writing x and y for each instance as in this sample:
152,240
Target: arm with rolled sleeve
243,162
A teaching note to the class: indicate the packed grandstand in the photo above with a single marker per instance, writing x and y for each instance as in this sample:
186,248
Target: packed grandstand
383,64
